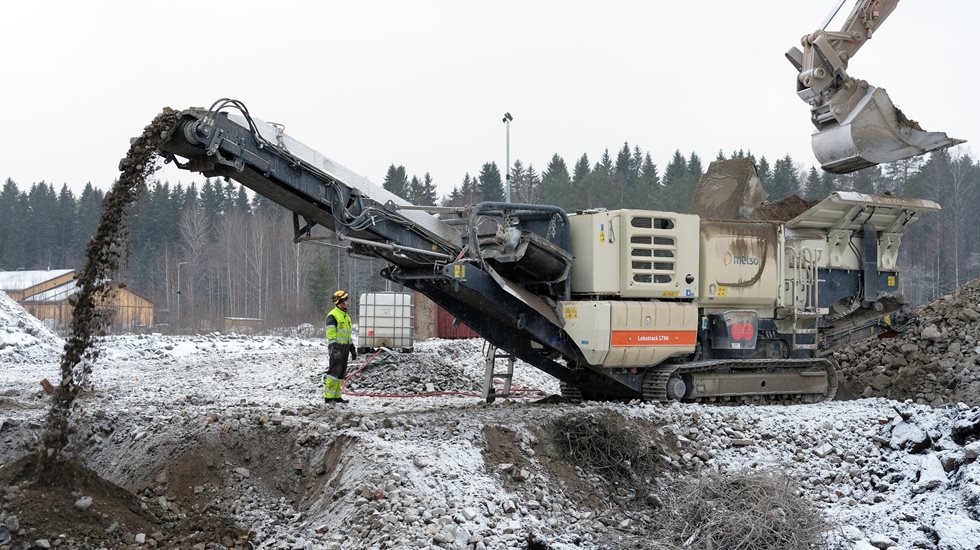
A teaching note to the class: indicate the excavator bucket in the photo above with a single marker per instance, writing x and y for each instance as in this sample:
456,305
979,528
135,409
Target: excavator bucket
874,132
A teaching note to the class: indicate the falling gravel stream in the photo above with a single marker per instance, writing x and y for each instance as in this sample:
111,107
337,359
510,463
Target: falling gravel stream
103,255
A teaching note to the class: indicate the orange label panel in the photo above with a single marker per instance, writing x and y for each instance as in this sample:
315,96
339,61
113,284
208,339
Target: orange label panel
622,338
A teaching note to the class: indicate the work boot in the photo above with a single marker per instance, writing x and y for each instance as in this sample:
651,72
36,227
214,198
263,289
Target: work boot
340,400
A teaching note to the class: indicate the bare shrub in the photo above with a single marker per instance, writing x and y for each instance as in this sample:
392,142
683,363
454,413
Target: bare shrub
745,510
609,445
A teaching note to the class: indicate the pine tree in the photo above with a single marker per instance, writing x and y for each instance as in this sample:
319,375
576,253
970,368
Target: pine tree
212,203
764,171
89,212
577,198
321,282
530,187
720,155
599,187
828,184
621,177
677,184
489,186
9,233
650,184
241,200
19,253
556,184
785,181
67,244
42,202
427,192
192,197
694,167
413,191
517,175
812,184
396,181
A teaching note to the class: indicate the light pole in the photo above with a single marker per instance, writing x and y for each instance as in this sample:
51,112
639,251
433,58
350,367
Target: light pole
179,264
507,119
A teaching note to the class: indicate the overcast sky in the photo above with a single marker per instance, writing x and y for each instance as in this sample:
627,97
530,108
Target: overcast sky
425,84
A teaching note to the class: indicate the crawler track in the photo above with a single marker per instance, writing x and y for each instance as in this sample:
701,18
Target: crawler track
768,381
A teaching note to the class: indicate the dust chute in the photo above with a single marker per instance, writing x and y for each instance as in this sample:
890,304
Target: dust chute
857,124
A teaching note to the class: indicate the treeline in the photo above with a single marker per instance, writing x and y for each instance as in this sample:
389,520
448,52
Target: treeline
234,254
229,255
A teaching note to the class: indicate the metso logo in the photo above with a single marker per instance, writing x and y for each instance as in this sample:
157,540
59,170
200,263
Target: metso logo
739,260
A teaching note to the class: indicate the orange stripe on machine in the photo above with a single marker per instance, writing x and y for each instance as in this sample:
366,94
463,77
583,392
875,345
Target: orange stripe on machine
654,337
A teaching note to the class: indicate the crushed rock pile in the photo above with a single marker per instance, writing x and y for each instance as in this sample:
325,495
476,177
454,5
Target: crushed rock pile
936,360
438,365
192,429
887,474
23,337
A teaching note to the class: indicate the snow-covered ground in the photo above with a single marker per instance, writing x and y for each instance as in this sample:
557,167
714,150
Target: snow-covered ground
238,424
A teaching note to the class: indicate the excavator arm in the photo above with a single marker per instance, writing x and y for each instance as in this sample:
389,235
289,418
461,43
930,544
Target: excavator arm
857,125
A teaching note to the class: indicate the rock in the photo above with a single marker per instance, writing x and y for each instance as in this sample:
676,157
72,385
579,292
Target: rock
140,538
470,513
823,450
931,474
655,500
971,451
969,314
881,542
419,463
957,532
243,472
909,437
42,543
851,532
881,382
83,503
931,333
967,428
521,475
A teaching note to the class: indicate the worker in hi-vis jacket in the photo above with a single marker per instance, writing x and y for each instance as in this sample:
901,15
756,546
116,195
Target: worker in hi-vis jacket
339,346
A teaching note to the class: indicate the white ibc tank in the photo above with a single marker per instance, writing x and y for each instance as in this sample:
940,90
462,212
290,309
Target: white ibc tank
386,319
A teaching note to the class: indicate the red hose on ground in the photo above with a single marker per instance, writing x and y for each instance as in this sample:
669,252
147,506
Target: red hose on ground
430,394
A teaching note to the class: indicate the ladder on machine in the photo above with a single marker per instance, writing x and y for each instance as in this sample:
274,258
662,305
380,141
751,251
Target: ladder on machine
806,293
491,355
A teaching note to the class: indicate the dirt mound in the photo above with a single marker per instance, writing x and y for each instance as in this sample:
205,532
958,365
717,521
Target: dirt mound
77,506
935,360
782,210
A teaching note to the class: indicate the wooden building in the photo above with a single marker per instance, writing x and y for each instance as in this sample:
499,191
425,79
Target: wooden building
431,321
244,325
46,295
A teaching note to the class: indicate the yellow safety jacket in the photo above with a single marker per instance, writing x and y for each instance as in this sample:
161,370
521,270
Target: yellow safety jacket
338,327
